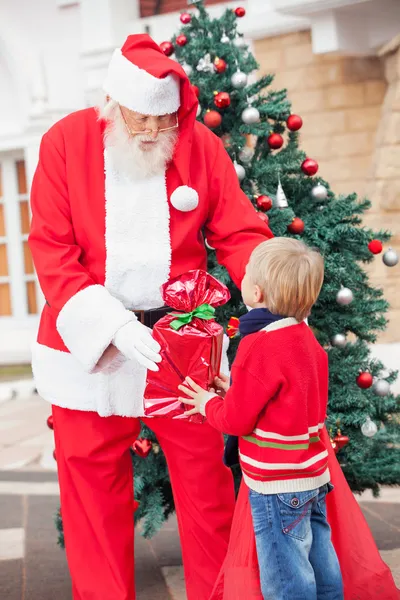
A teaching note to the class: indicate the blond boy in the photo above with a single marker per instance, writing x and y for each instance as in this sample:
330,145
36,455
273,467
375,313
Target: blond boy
277,405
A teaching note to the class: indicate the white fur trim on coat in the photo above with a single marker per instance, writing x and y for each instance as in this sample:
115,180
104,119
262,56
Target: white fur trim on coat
136,89
88,322
61,380
184,198
224,358
138,242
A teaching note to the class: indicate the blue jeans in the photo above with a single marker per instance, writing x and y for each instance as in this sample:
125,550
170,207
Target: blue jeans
296,557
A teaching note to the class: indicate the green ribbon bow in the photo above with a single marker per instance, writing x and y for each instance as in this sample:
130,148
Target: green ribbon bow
204,311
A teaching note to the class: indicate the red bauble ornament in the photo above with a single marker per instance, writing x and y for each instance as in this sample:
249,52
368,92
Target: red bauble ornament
49,422
263,217
340,441
142,447
196,90
181,40
264,202
54,455
232,328
294,122
220,65
212,119
240,11
296,226
275,141
364,380
375,246
185,18
136,505
167,48
309,166
222,99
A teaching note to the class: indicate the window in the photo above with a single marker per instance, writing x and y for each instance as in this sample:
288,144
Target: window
18,285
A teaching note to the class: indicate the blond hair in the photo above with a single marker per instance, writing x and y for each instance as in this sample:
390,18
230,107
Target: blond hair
290,275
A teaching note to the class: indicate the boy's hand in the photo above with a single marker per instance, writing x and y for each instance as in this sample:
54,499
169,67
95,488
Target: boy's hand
222,383
198,397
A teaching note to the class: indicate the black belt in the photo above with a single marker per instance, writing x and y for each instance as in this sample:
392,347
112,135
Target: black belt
150,317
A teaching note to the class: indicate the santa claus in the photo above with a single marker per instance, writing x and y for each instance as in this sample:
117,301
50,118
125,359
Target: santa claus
121,201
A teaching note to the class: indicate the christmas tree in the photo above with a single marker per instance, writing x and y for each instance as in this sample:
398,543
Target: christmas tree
262,138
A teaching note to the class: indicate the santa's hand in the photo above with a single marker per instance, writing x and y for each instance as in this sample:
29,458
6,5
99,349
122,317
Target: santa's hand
135,342
198,397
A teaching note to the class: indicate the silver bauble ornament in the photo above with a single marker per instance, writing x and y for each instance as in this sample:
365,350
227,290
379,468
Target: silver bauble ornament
381,387
250,115
339,340
239,42
344,296
240,171
369,428
280,198
198,112
246,154
187,68
239,80
390,258
225,39
319,192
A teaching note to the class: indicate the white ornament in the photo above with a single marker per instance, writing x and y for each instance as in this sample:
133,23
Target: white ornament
339,340
369,428
184,198
250,115
225,39
390,258
198,112
239,42
381,387
187,68
344,296
246,154
319,192
240,171
205,65
280,198
239,80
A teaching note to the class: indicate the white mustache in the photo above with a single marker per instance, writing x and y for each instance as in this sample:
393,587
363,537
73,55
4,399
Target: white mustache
145,138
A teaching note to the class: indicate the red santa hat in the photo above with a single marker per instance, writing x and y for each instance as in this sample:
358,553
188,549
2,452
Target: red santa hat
134,78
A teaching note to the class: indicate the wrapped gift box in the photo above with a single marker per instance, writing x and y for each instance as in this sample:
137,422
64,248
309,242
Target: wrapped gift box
190,340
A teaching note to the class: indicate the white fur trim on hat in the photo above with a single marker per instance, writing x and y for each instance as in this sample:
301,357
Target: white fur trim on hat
184,198
136,89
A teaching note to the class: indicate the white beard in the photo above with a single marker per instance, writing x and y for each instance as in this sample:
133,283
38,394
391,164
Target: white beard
126,152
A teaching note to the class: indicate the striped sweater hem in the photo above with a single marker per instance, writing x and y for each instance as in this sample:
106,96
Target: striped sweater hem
287,485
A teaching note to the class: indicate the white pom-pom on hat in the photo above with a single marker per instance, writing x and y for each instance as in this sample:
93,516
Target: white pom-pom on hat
184,198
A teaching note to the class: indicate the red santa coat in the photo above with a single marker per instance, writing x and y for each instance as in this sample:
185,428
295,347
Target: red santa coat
104,244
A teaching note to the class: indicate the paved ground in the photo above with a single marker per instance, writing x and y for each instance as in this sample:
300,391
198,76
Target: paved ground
32,567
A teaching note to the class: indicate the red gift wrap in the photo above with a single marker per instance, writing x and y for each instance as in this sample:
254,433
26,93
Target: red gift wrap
190,340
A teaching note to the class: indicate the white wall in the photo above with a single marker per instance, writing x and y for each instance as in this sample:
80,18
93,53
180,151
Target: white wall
39,56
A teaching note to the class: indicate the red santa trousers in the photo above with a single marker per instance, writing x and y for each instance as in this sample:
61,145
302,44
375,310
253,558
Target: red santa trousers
96,483
365,575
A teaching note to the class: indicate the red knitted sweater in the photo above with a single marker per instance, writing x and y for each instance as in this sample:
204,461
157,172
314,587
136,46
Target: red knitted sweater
277,405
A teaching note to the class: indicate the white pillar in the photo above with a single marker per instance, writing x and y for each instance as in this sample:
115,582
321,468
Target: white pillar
104,22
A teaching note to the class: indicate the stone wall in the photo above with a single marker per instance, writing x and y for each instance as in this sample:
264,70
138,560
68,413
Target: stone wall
351,112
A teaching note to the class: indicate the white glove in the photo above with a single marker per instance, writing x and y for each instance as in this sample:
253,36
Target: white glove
135,342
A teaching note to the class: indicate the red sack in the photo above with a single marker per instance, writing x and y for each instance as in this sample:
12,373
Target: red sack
365,575
191,342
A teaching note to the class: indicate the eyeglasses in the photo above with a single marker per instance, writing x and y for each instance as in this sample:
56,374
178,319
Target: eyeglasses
148,131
